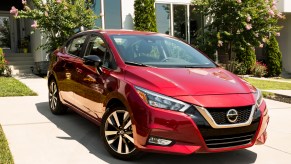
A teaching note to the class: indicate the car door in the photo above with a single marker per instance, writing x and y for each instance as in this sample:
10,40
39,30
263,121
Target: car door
69,74
94,83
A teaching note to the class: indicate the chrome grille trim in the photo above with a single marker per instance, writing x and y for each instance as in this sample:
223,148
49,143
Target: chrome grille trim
204,112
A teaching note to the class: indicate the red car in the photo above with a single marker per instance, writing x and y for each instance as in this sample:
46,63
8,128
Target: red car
152,92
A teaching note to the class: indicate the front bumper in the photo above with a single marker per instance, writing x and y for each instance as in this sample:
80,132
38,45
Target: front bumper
191,132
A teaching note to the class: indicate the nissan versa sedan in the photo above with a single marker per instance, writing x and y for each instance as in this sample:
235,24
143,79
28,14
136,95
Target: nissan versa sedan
152,92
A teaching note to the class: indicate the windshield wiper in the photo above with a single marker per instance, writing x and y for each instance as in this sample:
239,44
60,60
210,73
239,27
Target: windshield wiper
136,64
197,66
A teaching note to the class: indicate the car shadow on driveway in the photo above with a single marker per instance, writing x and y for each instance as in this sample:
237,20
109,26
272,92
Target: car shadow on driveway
87,134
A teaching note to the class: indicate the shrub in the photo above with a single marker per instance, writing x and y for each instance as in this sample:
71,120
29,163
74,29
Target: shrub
57,19
259,69
236,67
144,15
4,69
247,56
273,57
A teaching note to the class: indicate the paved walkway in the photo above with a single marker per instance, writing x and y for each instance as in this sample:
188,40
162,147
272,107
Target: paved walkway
281,92
36,136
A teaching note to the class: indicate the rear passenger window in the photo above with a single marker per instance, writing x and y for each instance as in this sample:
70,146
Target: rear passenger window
76,45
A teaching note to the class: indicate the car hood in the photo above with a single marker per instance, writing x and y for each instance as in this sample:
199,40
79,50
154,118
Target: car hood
187,81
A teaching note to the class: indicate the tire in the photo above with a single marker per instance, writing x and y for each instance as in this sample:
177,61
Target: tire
55,103
116,133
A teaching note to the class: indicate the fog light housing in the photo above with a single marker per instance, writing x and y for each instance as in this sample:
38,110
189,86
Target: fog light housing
159,141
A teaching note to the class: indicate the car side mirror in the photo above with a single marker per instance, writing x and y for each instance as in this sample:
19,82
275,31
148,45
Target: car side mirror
93,60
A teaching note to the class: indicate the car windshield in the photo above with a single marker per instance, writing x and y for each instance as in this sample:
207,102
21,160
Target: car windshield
159,51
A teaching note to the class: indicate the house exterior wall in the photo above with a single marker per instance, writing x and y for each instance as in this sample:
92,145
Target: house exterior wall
284,5
285,38
127,14
285,42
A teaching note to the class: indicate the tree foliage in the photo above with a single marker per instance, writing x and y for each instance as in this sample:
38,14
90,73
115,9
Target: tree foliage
273,57
247,56
144,15
234,27
57,19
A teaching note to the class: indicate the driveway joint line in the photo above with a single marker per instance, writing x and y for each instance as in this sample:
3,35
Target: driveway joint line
281,108
278,149
26,124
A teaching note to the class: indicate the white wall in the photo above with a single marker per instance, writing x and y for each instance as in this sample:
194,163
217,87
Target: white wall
285,42
284,5
127,10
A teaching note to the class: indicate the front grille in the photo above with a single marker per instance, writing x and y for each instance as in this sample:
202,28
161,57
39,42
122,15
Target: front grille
229,141
219,114
225,137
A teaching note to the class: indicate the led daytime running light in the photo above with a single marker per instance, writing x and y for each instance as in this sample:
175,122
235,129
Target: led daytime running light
161,101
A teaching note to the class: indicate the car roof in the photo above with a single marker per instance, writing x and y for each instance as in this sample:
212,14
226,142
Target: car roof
123,32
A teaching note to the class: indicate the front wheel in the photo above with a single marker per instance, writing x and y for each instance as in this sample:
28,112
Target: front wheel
55,103
116,133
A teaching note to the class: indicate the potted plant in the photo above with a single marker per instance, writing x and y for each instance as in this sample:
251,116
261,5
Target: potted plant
24,44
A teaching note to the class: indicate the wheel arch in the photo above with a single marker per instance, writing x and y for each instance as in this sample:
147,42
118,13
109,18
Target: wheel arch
50,78
114,102
114,99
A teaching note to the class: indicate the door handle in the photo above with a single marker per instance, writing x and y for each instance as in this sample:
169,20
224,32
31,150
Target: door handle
79,70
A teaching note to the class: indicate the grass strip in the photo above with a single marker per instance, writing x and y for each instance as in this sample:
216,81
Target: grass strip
5,154
269,85
9,86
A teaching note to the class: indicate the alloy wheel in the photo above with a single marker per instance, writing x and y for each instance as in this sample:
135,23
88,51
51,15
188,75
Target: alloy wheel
118,132
53,97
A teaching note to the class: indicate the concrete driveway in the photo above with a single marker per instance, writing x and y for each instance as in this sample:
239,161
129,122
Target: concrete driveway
37,136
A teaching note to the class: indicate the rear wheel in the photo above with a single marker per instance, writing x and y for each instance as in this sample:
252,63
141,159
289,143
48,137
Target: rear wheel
55,103
116,133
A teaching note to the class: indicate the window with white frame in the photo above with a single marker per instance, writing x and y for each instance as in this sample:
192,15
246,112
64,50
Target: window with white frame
178,20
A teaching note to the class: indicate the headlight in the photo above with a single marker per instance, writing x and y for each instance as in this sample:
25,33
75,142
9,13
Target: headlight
161,101
259,97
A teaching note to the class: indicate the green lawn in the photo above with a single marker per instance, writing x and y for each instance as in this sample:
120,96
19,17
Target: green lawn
269,85
12,87
5,155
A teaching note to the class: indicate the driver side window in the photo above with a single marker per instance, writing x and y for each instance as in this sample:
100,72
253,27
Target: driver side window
97,46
